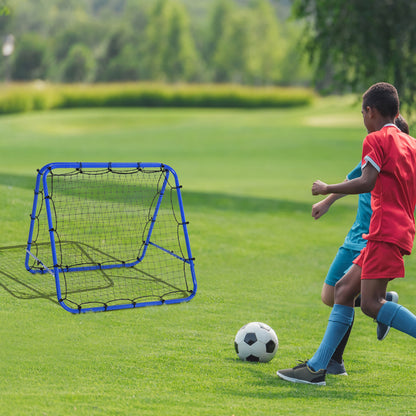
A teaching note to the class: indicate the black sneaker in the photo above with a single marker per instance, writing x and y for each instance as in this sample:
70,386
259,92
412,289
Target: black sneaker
303,374
383,329
336,368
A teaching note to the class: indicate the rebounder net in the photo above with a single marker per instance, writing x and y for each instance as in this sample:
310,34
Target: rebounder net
112,236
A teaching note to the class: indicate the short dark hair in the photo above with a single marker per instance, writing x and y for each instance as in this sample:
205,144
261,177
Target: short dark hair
384,97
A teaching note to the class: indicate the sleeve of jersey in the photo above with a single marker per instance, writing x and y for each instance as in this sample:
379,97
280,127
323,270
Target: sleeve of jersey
355,173
372,152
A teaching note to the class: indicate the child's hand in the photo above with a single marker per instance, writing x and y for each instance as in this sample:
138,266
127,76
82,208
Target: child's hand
319,188
319,209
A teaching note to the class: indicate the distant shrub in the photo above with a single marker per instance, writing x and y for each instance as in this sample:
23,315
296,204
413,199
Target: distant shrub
17,98
42,96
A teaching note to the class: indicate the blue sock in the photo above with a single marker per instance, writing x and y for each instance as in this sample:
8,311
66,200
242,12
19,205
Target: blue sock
398,317
338,323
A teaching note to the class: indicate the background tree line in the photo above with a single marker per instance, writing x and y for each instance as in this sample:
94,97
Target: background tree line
353,44
350,43
249,42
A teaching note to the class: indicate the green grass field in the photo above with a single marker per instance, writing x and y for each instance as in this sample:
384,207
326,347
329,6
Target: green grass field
246,179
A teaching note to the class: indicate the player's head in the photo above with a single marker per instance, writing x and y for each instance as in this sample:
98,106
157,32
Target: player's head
384,98
401,123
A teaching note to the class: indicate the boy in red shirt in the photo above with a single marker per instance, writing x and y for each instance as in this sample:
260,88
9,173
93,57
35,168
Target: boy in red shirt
389,172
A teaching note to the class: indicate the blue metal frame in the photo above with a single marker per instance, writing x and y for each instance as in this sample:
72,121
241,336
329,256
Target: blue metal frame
42,180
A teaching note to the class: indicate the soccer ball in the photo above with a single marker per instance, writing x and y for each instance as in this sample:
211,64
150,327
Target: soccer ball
256,342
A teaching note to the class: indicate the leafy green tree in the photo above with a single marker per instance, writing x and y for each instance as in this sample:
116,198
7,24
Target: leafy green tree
217,24
355,43
250,48
6,18
156,35
129,63
125,66
266,47
30,58
136,15
170,52
79,65
112,59
179,58
231,56
4,10
294,67
88,33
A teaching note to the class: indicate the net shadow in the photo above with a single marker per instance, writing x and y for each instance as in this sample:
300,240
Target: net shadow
20,283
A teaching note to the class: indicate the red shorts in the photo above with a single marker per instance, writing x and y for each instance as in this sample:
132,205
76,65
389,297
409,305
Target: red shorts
381,261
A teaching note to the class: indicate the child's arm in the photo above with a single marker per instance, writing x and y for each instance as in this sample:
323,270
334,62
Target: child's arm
322,207
365,183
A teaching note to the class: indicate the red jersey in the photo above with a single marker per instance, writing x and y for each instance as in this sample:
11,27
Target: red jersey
393,199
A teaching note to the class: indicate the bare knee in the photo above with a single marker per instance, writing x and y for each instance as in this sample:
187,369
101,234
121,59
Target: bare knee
342,293
370,307
327,295
348,287
327,302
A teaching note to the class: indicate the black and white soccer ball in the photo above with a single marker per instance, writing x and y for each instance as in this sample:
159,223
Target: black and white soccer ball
256,342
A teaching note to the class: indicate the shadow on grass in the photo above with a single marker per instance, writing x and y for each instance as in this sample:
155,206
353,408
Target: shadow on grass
18,282
238,203
19,181
86,284
200,200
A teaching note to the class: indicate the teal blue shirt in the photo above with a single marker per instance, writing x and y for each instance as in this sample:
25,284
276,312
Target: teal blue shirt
354,239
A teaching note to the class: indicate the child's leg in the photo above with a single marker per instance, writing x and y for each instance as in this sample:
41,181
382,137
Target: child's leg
388,313
340,320
339,351
398,317
341,263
